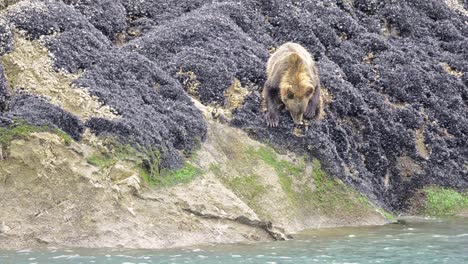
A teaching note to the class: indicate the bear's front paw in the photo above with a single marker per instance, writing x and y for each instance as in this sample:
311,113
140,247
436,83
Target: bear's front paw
309,113
272,119
311,110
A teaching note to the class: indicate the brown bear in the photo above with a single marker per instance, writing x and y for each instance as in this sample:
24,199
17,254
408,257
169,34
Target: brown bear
293,82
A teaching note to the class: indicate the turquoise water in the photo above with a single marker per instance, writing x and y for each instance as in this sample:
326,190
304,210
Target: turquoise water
416,241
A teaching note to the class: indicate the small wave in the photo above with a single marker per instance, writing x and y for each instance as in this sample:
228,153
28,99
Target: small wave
66,256
125,256
407,234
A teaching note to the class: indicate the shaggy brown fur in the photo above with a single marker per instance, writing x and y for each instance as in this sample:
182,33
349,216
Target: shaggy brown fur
293,82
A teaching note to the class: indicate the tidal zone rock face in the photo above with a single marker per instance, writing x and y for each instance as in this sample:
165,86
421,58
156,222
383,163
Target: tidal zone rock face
394,72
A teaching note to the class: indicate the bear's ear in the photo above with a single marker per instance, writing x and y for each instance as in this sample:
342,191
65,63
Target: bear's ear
290,94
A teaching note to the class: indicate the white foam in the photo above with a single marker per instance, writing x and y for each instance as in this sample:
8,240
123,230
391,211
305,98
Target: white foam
26,250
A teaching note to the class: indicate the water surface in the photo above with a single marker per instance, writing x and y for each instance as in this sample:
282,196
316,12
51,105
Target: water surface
416,241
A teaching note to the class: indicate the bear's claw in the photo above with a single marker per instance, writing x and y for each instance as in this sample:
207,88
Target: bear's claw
272,119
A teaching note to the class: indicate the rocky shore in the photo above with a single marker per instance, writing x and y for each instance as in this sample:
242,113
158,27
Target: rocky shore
140,124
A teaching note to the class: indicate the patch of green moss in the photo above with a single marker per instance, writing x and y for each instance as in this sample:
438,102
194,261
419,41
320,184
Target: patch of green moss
146,162
67,140
173,177
215,168
16,132
333,197
444,202
20,130
116,152
101,160
285,170
248,187
390,217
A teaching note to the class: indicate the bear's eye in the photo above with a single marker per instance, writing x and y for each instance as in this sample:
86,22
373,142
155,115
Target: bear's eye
308,93
290,95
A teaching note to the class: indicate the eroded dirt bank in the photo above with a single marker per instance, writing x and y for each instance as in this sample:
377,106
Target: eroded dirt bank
58,194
